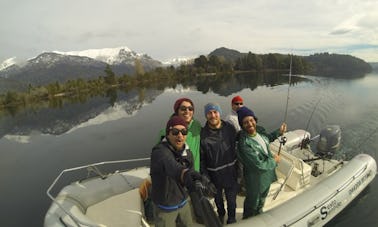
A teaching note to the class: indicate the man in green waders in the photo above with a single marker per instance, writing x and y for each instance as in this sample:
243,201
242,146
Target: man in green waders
258,162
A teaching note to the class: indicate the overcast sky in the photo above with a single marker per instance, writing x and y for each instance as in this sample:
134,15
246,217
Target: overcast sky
166,29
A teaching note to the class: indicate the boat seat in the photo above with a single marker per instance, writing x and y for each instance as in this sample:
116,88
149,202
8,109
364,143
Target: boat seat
285,168
283,171
302,171
121,210
300,174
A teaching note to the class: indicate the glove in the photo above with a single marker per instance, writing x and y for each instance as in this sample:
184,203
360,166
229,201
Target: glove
206,189
190,177
199,186
209,189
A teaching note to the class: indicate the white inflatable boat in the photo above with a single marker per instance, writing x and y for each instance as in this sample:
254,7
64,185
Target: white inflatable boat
311,189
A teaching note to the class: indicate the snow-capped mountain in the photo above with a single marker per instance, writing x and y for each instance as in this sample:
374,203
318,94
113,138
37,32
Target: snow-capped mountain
179,61
49,67
111,56
7,63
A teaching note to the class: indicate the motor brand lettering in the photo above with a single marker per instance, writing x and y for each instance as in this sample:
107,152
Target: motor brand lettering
359,183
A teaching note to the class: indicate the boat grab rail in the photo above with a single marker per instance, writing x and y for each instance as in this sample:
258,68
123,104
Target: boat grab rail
91,167
287,172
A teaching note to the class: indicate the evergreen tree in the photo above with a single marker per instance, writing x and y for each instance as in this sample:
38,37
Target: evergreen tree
110,77
201,62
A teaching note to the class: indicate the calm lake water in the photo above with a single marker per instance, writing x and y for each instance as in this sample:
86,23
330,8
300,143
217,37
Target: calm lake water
36,145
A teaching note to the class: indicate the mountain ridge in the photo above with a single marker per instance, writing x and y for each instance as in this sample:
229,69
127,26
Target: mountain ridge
57,66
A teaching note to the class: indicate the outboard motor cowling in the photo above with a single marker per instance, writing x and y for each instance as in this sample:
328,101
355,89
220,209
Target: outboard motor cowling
329,140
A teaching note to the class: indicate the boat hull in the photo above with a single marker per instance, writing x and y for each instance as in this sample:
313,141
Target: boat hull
315,206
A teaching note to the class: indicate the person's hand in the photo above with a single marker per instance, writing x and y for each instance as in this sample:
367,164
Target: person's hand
283,128
277,158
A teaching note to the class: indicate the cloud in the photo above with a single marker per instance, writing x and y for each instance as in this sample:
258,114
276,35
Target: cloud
341,31
170,28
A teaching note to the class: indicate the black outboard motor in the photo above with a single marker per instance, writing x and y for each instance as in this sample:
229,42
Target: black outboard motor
329,141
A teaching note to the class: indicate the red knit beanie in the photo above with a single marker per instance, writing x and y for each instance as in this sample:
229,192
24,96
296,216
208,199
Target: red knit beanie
175,120
237,99
178,103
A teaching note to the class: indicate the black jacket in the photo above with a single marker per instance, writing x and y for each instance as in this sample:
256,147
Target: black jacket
218,154
166,167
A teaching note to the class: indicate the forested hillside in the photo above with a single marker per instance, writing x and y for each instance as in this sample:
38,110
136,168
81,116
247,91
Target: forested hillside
319,64
337,65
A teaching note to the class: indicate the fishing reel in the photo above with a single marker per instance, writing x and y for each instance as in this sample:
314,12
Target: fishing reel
305,142
282,140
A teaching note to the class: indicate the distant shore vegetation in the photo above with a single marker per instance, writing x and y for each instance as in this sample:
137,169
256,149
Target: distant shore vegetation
219,62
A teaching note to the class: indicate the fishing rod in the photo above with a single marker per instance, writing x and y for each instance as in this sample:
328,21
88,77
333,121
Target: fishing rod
307,140
313,111
288,89
283,139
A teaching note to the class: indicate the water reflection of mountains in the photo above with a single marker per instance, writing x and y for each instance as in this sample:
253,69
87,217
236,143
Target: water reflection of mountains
56,121
60,120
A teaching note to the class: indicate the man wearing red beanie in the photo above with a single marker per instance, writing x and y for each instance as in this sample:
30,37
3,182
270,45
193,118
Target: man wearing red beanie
184,108
236,104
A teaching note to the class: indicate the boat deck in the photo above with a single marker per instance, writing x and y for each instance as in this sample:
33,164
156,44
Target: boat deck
128,207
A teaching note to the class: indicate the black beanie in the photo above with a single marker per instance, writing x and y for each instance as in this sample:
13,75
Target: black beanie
244,112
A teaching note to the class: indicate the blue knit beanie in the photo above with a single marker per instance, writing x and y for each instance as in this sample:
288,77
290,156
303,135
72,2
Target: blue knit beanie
212,106
244,112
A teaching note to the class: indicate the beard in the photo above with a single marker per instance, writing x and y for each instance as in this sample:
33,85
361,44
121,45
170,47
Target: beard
250,129
214,122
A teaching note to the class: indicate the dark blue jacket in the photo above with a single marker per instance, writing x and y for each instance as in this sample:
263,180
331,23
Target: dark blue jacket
218,154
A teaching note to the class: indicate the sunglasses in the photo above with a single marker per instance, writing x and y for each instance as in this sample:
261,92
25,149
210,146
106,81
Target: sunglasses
189,108
238,103
176,131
